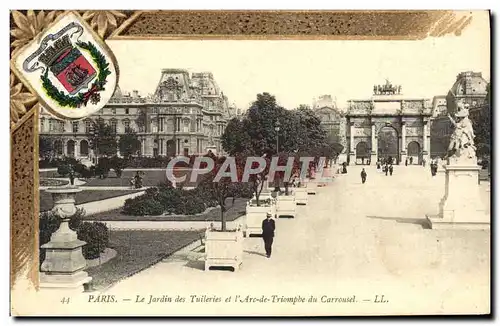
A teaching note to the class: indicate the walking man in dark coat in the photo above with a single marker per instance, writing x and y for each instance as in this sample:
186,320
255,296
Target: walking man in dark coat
391,169
268,228
363,175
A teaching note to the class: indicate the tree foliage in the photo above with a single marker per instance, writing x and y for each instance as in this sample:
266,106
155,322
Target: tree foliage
46,147
299,130
224,187
102,138
129,143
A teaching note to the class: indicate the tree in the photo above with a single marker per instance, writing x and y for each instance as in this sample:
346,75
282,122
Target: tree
46,147
260,123
129,143
300,130
296,165
313,134
235,139
118,164
223,188
257,180
102,138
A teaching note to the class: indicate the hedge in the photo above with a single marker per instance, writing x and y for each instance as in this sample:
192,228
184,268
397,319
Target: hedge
95,234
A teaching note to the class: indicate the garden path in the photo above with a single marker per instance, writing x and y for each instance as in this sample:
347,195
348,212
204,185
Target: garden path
352,239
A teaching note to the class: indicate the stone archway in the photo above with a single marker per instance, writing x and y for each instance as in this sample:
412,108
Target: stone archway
362,153
58,147
388,144
414,153
84,148
70,148
170,148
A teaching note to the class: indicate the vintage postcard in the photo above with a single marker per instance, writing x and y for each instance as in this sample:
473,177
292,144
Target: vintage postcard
250,163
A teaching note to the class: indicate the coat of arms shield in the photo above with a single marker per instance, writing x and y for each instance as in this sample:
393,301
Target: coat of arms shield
70,68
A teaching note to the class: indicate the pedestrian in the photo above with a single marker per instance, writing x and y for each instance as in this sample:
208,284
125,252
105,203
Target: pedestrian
390,169
406,162
268,227
411,160
386,169
363,176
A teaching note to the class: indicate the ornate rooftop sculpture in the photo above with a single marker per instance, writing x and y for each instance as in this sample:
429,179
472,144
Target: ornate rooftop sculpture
387,89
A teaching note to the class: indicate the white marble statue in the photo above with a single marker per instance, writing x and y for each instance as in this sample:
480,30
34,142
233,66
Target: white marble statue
461,148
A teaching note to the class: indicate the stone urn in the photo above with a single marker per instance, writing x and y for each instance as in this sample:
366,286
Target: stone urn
64,200
64,264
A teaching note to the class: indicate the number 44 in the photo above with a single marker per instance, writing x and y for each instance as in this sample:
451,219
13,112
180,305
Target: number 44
65,300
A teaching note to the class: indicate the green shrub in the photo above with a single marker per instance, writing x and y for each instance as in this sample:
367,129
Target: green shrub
63,170
118,165
96,234
143,205
103,167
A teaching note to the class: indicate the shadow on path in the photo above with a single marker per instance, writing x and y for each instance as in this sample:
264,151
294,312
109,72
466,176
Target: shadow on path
196,264
418,221
255,253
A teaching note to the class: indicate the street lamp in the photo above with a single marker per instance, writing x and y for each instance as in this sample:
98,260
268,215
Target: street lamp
277,129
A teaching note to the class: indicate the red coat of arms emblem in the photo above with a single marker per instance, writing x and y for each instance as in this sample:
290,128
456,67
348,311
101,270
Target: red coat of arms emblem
74,68
68,65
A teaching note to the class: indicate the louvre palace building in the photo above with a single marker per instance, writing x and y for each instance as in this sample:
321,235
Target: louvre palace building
186,114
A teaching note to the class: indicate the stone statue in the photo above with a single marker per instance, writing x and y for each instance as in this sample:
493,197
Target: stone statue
374,89
211,137
399,89
461,148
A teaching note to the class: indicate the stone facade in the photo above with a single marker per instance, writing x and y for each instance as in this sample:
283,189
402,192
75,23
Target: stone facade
332,119
366,128
186,115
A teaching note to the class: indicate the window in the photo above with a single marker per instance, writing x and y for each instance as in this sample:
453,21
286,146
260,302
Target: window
61,126
113,125
52,125
75,126
42,124
126,125
88,126
178,124
162,122
127,111
186,125
113,110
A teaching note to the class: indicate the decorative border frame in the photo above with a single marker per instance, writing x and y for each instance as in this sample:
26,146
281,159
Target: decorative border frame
170,25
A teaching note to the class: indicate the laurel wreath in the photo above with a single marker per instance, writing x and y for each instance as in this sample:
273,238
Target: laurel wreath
81,98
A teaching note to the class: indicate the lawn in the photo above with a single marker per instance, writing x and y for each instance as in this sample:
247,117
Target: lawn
232,213
149,178
86,196
136,251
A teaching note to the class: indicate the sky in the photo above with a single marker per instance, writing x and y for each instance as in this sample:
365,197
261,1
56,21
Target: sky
298,71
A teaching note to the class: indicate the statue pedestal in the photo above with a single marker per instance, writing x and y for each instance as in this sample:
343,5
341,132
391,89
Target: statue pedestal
342,158
64,264
403,158
461,207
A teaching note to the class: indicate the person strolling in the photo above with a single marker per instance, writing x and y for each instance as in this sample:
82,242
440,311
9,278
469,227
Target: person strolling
363,176
268,228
